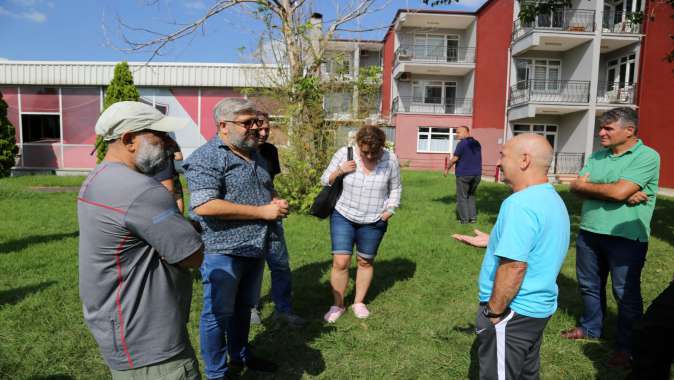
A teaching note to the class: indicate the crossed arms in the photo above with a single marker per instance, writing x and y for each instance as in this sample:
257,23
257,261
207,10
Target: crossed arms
619,191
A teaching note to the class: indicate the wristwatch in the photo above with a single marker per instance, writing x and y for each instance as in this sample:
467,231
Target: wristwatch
490,314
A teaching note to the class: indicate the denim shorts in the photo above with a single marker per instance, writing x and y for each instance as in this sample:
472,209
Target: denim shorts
344,233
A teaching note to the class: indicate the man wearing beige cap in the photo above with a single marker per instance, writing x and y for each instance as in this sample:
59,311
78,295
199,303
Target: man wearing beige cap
135,250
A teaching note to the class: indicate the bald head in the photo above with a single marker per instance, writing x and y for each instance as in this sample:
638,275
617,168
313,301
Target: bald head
525,160
535,146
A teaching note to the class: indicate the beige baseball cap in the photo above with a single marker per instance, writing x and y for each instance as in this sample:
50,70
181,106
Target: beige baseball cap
123,117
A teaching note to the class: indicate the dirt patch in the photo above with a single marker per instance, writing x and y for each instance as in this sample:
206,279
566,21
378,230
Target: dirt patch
55,189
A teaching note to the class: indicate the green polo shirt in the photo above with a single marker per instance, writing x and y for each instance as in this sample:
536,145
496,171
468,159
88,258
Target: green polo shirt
640,165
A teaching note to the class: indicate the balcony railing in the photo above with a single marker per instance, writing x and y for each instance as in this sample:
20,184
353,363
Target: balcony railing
616,92
437,106
434,54
621,22
567,163
568,20
550,91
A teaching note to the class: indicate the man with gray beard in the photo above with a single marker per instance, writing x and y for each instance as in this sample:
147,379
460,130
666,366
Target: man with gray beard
233,198
135,250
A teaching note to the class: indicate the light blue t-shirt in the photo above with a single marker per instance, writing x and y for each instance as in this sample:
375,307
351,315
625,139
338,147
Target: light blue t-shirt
532,227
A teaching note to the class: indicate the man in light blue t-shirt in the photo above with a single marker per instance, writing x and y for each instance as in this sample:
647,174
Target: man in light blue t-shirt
525,251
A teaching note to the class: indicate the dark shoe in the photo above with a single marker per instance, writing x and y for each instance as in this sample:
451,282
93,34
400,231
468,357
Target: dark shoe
253,363
255,317
472,221
620,360
291,319
575,334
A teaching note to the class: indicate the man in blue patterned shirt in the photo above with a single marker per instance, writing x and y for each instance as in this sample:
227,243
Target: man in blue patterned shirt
233,199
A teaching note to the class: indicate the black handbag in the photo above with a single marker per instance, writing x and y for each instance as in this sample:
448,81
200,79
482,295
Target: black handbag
327,199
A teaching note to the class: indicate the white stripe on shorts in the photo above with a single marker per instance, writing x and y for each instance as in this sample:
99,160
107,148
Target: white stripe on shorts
500,345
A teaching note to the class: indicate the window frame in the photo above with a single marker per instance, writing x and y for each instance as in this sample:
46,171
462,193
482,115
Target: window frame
451,133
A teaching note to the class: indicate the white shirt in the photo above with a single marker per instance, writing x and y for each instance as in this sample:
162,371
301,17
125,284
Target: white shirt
366,196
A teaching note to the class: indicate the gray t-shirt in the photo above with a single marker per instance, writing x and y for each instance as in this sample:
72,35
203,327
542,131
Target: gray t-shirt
136,300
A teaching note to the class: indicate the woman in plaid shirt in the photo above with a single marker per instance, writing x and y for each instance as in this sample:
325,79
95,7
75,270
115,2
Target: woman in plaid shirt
370,196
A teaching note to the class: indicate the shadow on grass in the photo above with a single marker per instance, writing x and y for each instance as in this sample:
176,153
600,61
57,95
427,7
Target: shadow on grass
23,243
312,297
53,377
16,295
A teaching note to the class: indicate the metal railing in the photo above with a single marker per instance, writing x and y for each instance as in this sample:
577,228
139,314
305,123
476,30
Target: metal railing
616,92
437,106
567,163
549,91
621,22
568,20
434,54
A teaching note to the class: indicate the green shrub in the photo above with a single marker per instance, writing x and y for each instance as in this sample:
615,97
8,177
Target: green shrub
8,148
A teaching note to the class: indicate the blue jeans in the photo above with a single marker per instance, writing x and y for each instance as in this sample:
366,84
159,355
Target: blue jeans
367,237
279,266
598,255
231,288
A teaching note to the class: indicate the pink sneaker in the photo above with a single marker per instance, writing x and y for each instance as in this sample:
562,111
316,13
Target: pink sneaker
360,310
333,314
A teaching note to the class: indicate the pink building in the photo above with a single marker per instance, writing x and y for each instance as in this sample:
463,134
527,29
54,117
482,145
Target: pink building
54,105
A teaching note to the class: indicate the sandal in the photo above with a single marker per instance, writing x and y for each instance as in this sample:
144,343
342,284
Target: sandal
360,310
333,314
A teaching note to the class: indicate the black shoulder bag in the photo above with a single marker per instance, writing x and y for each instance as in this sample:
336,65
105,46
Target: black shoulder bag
327,199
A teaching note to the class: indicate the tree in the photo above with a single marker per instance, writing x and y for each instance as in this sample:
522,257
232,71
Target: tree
121,89
296,39
8,148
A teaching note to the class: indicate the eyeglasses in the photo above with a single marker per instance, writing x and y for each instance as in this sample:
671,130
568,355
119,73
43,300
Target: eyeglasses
248,124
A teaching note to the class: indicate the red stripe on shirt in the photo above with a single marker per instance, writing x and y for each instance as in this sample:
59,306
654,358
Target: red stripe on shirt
120,283
115,209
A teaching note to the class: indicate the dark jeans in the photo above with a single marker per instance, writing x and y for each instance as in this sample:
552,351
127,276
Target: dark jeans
598,255
231,288
466,186
653,336
281,276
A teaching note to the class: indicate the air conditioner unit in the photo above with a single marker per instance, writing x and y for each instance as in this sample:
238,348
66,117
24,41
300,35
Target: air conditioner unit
404,53
405,77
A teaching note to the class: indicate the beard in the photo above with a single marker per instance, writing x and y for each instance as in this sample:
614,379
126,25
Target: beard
150,158
243,142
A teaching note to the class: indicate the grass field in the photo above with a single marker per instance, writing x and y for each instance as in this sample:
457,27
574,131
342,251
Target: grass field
423,297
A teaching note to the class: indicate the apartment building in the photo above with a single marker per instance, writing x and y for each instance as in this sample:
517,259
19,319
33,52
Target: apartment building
552,76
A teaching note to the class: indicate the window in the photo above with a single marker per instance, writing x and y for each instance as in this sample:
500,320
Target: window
338,64
549,131
436,46
163,108
338,103
41,128
436,140
546,73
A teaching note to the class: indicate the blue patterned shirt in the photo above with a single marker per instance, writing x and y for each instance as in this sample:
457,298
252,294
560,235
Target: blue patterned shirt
214,172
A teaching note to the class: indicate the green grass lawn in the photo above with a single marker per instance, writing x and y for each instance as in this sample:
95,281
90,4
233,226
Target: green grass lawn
423,297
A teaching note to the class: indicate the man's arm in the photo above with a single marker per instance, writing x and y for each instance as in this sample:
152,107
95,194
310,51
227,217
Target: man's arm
619,191
231,211
509,276
194,260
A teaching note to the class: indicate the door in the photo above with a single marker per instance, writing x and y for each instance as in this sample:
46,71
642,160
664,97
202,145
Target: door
452,48
450,97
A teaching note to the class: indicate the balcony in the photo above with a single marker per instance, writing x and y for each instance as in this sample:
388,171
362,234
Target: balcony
552,97
622,22
560,30
611,94
620,29
433,60
433,106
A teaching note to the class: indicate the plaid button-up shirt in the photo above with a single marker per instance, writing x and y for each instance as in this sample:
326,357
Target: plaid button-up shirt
366,196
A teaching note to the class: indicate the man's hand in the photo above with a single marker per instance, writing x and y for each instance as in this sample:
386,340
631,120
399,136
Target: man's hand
579,182
385,216
273,211
637,198
480,240
280,202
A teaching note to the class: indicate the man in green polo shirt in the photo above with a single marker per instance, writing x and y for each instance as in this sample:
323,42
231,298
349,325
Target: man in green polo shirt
619,184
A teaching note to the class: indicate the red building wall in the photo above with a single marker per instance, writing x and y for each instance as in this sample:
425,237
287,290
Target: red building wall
494,28
389,44
656,83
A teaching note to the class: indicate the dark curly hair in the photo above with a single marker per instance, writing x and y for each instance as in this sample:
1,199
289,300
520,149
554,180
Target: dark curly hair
371,136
